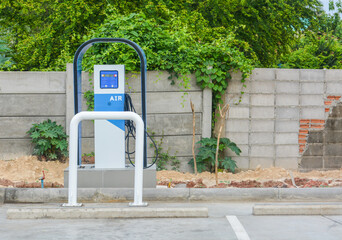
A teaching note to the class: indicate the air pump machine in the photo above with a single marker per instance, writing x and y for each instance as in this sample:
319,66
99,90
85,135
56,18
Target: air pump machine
110,169
109,95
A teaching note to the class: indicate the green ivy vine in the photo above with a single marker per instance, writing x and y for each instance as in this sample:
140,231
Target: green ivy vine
171,45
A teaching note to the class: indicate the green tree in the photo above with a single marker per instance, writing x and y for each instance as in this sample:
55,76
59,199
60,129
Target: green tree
320,47
270,27
315,52
45,34
45,31
331,22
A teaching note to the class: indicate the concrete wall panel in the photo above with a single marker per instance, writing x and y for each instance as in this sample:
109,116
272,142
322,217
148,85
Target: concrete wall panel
157,81
13,148
32,105
179,146
16,127
31,97
161,124
32,82
168,102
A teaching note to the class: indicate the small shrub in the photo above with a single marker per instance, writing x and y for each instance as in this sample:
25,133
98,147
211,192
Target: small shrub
164,158
49,139
206,155
89,97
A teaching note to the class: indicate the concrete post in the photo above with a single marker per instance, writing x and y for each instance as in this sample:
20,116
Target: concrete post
206,117
69,92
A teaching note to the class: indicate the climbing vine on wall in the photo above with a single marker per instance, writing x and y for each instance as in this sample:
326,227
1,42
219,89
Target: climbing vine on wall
171,46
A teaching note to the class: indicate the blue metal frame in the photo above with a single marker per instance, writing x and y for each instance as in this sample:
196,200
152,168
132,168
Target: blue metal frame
78,83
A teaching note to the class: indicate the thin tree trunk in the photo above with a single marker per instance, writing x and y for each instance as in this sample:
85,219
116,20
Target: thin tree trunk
221,123
217,153
193,134
217,124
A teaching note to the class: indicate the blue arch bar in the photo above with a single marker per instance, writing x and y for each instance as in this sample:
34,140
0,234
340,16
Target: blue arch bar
78,57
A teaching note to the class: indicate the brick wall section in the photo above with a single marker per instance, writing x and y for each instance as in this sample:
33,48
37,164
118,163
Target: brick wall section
277,111
330,100
323,147
314,124
305,126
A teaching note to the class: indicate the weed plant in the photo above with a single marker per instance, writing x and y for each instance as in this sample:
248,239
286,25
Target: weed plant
206,155
49,140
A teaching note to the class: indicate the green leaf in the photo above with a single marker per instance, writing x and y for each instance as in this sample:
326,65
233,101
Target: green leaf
207,153
201,166
229,164
35,135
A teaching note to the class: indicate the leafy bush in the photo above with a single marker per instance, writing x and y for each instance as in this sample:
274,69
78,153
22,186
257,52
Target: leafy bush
205,158
171,44
49,139
5,61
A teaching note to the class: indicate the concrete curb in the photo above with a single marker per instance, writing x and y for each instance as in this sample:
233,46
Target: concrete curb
233,194
105,213
49,195
298,209
56,195
308,194
2,195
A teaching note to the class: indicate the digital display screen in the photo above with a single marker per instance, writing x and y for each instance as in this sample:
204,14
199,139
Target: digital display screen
109,79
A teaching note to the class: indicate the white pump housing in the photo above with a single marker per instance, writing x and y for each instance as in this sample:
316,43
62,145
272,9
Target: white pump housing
109,95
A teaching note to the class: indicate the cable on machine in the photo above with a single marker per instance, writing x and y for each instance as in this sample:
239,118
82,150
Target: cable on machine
130,131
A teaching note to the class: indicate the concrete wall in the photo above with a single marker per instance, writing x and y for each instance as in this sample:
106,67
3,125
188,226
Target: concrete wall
277,123
27,98
277,114
31,97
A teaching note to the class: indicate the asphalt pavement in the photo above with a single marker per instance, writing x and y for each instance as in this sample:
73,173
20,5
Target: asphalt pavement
227,220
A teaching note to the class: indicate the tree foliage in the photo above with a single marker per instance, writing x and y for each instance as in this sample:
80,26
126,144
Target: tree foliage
269,27
45,34
315,52
171,46
320,47
5,61
43,31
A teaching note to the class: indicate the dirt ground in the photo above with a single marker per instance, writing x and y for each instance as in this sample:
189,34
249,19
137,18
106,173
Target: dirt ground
267,177
26,171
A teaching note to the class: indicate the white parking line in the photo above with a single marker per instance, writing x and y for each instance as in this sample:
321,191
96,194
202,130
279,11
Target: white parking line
239,230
